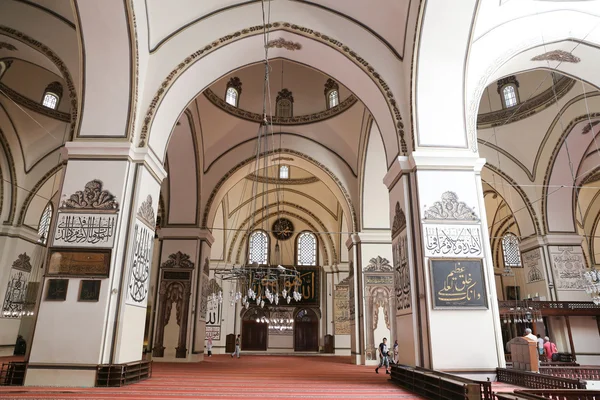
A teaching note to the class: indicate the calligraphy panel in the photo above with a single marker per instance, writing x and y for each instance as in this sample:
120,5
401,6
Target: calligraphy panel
213,332
458,284
16,293
341,310
139,270
401,275
453,241
79,262
569,266
85,230
532,263
203,307
89,290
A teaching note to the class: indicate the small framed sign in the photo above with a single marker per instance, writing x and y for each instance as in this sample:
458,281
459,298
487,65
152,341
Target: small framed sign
457,284
89,290
79,262
57,289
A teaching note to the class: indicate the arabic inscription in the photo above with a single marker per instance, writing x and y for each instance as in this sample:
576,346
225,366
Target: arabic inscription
453,241
85,230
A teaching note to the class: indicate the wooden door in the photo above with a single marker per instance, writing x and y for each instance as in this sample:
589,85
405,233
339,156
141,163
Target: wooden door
306,331
254,336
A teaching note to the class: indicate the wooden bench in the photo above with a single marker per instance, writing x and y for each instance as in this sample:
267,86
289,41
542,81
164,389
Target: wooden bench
545,394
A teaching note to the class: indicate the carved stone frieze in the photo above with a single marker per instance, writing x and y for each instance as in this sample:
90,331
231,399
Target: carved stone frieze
378,264
146,212
93,197
22,263
281,43
557,55
257,29
178,260
277,120
449,208
399,223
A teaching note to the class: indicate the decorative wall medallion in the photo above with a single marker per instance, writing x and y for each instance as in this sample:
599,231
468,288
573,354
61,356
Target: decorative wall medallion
450,209
279,120
281,43
7,46
399,223
330,85
92,198
139,270
378,264
85,230
569,266
557,55
282,229
178,260
453,241
589,126
22,263
401,274
531,263
146,212
16,293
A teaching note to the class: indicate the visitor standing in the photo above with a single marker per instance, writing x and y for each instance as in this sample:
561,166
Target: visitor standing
530,335
396,351
209,346
383,356
237,347
540,344
550,349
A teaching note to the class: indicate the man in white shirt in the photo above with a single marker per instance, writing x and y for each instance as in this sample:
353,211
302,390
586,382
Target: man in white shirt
540,344
530,335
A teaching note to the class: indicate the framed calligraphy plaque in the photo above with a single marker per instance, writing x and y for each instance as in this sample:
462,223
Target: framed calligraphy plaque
79,262
57,289
453,241
89,290
458,284
85,230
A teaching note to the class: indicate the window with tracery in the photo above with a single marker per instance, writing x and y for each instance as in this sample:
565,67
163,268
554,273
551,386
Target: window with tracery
233,92
284,172
284,104
333,99
307,248
258,247
332,93
52,95
510,250
508,89
44,226
510,96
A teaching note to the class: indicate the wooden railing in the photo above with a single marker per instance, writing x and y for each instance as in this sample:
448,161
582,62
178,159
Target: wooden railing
586,373
545,394
13,373
439,385
552,308
115,375
537,381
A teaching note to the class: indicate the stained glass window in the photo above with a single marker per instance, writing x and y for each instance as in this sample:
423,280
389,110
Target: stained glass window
284,172
258,247
231,96
44,226
50,100
510,249
307,249
510,96
333,98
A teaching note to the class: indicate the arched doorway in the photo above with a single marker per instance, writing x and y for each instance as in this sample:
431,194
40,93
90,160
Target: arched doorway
255,327
306,331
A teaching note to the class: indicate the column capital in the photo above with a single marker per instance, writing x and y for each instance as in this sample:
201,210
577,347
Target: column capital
186,233
352,240
115,150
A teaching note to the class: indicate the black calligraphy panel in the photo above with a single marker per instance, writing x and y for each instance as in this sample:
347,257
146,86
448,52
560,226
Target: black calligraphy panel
458,284
89,290
57,289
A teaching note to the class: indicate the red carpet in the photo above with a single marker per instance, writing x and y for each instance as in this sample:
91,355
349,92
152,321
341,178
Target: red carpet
250,377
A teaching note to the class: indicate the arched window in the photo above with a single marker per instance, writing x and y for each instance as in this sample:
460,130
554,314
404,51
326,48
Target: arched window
306,248
44,226
258,247
508,91
332,93
52,95
234,89
284,104
333,99
510,96
510,250
284,172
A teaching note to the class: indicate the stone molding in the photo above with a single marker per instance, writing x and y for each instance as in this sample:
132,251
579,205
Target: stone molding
449,208
281,43
557,55
276,120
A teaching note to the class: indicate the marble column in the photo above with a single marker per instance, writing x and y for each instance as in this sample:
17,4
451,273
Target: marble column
96,278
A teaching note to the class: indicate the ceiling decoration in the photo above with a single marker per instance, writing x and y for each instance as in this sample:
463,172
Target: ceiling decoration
528,107
277,181
33,105
282,229
7,46
557,55
281,43
293,28
276,120
588,127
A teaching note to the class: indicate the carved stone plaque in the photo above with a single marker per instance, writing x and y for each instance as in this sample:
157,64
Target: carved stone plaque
442,240
71,262
341,310
568,265
532,262
458,284
85,230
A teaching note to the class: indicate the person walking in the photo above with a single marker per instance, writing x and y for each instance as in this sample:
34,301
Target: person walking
396,351
209,346
383,356
237,347
540,344
550,349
